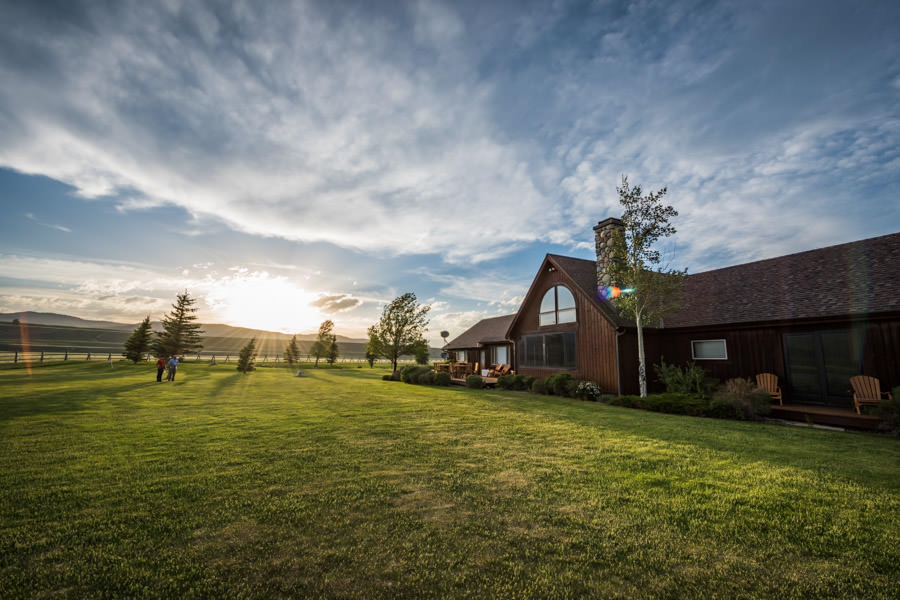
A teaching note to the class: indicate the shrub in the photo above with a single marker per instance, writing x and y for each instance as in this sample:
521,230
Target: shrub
412,373
426,378
538,386
475,382
588,390
693,379
888,411
526,380
740,399
676,404
558,384
442,378
387,378
507,382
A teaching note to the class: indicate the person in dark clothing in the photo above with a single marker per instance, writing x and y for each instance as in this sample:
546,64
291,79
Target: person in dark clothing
160,367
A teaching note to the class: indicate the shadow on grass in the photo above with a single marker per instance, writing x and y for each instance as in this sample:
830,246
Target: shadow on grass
867,459
66,400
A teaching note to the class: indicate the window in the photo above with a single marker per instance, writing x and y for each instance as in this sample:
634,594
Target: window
460,356
501,355
549,351
708,350
557,306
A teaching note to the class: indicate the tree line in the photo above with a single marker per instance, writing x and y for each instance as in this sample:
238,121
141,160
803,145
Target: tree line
400,331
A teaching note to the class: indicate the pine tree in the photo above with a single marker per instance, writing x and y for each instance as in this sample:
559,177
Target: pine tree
180,335
139,343
292,352
333,352
247,356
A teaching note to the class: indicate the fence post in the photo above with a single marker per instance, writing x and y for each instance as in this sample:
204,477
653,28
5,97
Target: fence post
42,356
16,358
66,357
226,357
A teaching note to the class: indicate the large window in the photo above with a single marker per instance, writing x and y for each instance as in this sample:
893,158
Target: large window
549,351
501,356
557,306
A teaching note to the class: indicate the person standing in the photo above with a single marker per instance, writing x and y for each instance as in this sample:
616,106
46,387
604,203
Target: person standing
160,367
173,364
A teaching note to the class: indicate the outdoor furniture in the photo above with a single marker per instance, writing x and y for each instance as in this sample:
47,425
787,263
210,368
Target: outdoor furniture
768,382
866,390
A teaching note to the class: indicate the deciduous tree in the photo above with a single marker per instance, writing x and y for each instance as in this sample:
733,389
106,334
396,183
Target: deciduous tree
322,344
403,322
653,292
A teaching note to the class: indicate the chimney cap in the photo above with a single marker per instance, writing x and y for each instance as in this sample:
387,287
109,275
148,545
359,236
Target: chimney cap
608,221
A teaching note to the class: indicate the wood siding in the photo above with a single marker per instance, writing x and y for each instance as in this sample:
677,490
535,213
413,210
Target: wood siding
595,336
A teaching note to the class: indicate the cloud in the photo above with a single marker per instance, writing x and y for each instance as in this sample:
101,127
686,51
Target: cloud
336,304
434,128
31,217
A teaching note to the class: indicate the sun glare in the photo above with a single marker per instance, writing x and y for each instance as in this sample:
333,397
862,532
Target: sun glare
261,301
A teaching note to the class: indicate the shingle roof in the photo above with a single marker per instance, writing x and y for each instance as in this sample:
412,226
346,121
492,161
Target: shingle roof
482,332
848,279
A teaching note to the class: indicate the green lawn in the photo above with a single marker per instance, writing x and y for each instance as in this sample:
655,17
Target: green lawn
339,484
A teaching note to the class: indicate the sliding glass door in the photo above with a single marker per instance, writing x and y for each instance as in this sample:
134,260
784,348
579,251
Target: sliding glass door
820,365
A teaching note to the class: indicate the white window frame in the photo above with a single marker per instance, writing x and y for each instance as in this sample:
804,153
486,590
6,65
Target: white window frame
724,350
573,310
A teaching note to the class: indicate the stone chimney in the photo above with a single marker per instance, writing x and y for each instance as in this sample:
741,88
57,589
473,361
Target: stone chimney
603,236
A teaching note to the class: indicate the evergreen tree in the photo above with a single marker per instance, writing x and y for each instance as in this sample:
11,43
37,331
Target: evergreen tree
420,351
139,343
247,356
292,352
333,352
321,346
402,323
180,335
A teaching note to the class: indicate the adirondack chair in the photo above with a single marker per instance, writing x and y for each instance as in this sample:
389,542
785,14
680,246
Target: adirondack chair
866,390
769,383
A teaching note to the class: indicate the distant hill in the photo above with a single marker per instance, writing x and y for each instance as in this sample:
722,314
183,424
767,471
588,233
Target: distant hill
53,332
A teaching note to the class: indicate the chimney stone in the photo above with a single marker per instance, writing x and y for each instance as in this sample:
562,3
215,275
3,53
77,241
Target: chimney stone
604,233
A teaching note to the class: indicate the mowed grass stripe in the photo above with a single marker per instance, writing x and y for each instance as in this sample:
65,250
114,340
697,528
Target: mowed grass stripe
340,484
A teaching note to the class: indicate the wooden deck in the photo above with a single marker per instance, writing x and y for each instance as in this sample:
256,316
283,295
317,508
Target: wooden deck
824,415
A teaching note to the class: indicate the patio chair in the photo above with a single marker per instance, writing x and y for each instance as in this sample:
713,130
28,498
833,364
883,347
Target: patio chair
867,391
768,382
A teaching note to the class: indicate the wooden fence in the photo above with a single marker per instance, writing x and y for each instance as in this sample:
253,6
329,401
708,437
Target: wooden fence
38,357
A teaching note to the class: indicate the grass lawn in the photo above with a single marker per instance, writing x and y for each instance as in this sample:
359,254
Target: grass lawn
339,484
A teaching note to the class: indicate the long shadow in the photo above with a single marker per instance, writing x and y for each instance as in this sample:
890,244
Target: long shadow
64,400
782,446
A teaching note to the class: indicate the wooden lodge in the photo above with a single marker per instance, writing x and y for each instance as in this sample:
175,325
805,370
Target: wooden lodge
814,319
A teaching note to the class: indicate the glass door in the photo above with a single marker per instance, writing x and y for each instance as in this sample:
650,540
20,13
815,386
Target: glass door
820,365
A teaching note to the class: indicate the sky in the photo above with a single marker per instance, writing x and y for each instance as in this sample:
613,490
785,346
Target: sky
290,162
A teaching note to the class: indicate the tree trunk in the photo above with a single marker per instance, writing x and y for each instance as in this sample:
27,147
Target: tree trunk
642,365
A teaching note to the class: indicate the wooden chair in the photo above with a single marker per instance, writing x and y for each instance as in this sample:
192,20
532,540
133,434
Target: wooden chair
768,382
866,390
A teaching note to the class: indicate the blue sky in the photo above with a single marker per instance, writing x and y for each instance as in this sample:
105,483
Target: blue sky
288,162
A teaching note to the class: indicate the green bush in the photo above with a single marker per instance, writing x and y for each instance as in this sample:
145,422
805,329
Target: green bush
559,384
411,373
475,382
693,379
426,378
538,386
740,399
526,380
507,382
387,378
676,404
888,410
442,378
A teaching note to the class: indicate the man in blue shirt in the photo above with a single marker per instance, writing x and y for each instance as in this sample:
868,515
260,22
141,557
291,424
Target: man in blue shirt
173,364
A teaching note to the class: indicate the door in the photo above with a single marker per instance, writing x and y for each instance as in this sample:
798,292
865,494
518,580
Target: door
820,365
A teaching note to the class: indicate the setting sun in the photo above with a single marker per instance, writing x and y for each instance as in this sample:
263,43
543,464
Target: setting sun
262,301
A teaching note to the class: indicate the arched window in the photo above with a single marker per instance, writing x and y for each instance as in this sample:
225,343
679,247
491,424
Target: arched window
557,306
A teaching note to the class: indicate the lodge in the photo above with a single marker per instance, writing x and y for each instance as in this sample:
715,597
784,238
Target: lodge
813,318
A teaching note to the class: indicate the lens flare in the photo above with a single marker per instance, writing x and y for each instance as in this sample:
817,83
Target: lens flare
608,292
